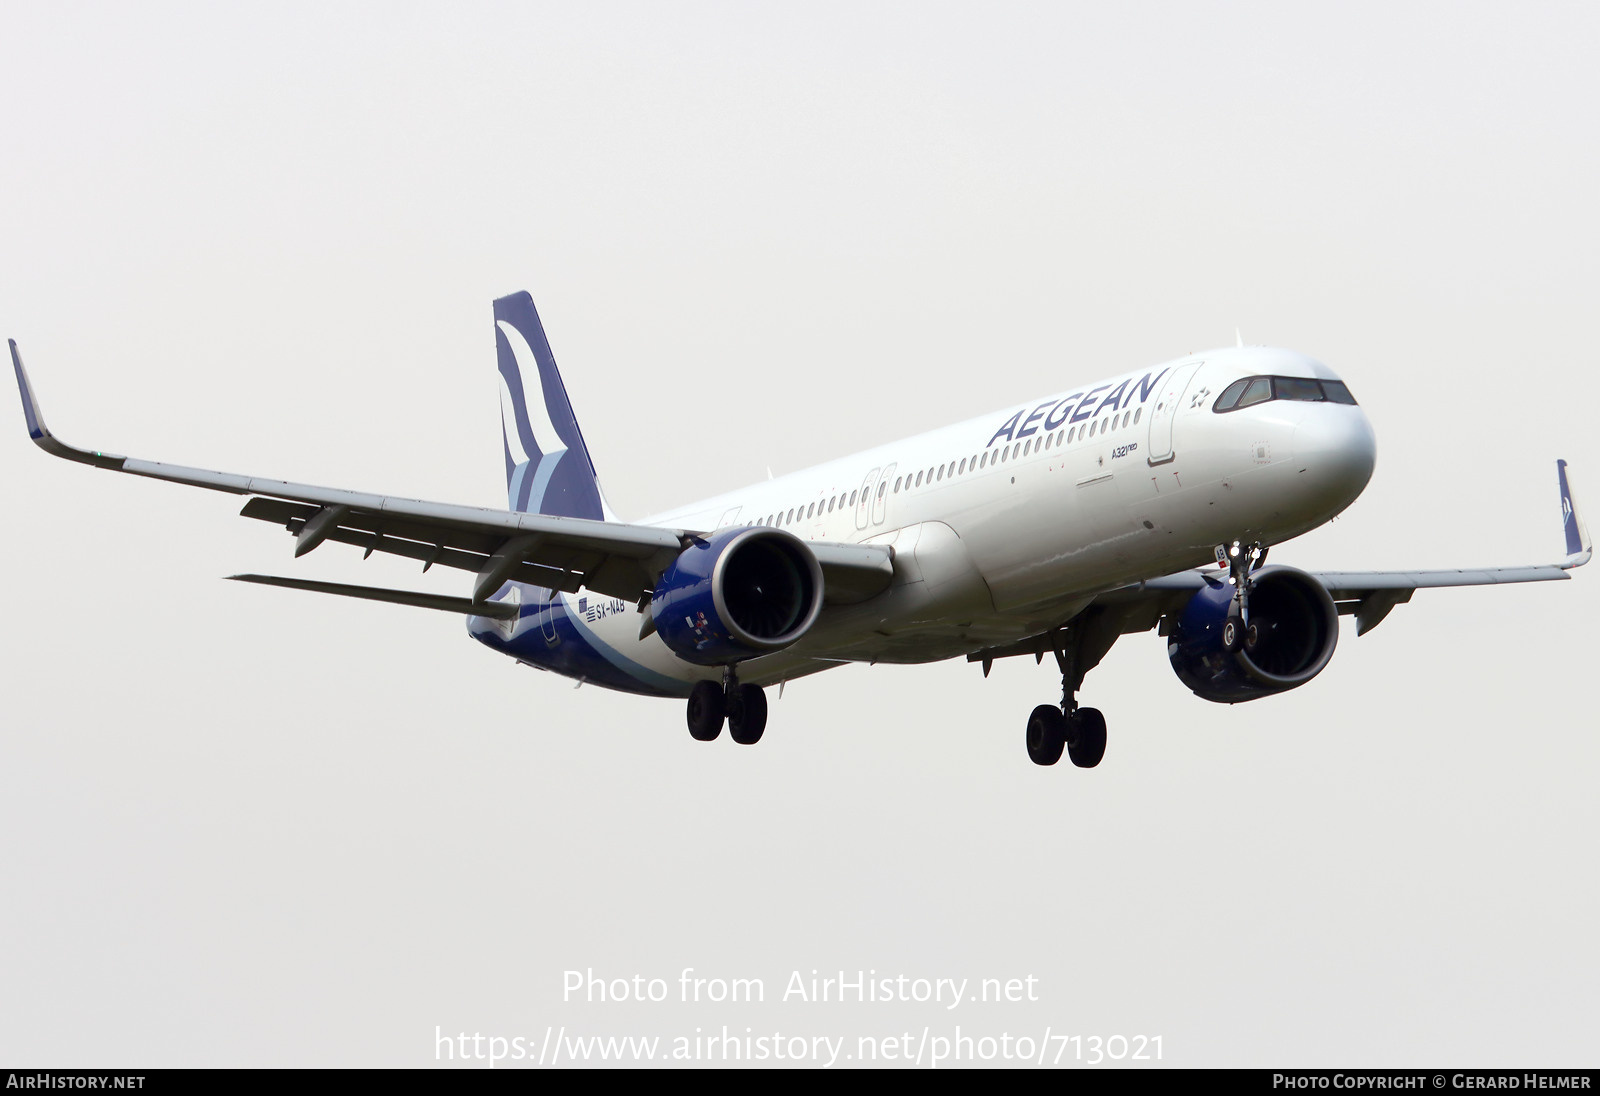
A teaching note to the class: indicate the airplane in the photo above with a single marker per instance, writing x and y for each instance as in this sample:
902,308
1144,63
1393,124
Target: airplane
1148,500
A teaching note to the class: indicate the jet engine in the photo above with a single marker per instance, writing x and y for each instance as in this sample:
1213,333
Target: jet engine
737,594
1287,636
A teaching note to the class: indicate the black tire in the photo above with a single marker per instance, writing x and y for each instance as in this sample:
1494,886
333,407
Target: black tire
1232,634
1047,735
747,718
1087,744
705,711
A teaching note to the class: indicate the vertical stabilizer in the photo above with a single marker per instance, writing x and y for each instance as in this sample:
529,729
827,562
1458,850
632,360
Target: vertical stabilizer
548,468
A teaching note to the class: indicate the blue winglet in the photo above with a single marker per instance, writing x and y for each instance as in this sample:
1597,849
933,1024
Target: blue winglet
1579,548
30,408
40,433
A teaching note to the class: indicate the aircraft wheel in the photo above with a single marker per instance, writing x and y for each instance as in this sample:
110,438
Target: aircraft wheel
705,711
1232,634
747,718
1047,734
1087,745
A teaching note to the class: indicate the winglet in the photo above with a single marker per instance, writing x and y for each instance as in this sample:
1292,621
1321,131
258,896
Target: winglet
1579,547
40,433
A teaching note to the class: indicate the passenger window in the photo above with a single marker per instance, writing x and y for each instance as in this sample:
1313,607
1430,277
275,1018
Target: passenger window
1136,412
962,470
852,498
897,485
1297,388
919,479
882,488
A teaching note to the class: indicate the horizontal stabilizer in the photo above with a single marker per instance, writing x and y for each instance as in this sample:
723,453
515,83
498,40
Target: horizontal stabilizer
498,609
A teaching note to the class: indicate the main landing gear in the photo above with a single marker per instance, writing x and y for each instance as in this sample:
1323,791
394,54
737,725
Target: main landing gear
743,706
1080,733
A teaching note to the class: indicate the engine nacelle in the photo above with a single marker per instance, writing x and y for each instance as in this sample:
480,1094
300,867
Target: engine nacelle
738,594
1294,628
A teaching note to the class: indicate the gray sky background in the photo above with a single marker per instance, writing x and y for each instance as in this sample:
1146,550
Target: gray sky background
249,826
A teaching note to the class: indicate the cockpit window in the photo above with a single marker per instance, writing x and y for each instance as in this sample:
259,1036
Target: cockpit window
1337,392
1258,391
1253,390
1297,388
1230,396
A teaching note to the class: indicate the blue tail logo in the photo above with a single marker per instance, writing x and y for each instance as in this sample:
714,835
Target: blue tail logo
548,470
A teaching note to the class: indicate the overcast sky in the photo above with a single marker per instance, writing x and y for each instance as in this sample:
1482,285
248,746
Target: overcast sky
254,826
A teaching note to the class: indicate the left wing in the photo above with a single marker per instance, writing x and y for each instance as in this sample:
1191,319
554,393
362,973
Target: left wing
1366,595
560,553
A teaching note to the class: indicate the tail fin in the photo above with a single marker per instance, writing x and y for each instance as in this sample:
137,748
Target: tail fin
548,469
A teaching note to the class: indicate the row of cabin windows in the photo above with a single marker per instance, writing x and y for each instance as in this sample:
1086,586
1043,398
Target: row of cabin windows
957,468
1019,449
803,513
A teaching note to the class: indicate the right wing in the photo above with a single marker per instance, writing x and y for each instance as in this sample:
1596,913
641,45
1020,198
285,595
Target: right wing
560,553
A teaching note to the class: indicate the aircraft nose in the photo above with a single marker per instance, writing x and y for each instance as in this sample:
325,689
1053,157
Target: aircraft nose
1336,451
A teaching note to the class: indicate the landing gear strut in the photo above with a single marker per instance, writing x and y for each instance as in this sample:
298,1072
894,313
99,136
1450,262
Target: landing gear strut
743,706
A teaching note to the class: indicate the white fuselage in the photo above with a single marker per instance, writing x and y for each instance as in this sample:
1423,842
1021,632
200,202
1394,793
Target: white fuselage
1007,524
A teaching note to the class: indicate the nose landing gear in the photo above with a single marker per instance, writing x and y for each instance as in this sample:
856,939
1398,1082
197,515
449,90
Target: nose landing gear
1242,560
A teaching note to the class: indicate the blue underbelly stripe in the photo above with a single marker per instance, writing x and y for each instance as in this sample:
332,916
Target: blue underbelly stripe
671,686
